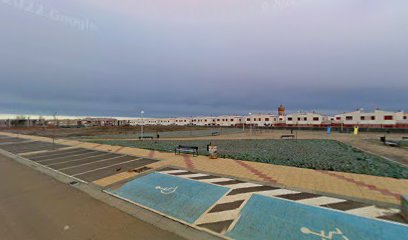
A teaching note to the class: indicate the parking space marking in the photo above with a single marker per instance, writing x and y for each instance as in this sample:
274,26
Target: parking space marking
14,142
90,163
76,158
132,166
78,153
93,170
177,197
81,159
223,216
51,152
81,164
57,154
45,151
273,218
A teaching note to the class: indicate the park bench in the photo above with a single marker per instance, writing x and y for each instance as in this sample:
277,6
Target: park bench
146,137
186,149
215,133
287,136
405,137
392,143
389,142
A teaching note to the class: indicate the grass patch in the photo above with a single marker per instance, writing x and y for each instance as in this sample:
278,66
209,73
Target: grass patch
313,154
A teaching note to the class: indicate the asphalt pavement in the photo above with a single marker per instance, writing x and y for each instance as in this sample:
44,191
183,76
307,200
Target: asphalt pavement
35,206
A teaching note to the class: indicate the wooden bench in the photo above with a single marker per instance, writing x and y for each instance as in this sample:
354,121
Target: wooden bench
146,137
186,149
291,136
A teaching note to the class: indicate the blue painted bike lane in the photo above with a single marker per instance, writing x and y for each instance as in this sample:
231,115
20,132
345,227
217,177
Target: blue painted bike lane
180,198
272,218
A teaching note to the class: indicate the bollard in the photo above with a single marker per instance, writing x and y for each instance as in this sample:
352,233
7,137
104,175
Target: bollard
404,206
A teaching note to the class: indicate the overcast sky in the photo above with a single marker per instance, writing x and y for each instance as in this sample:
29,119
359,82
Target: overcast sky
195,57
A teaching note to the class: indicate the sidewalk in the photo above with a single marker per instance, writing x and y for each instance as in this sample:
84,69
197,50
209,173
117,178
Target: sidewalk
354,186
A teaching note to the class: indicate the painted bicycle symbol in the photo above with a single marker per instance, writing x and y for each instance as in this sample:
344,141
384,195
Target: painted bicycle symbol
322,233
166,190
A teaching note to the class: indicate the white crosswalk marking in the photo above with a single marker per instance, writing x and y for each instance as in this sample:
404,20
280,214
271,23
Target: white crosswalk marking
214,180
174,171
318,201
242,185
218,216
193,175
277,192
372,211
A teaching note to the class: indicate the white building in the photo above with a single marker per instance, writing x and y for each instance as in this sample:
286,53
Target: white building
261,120
228,120
203,121
378,118
306,119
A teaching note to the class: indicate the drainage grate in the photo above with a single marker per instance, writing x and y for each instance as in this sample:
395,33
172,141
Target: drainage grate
140,170
73,182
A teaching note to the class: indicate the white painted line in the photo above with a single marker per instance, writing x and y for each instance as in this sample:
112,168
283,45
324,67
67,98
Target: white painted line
11,143
93,170
214,180
64,155
218,216
318,201
193,175
44,151
174,171
372,211
242,185
56,153
85,164
234,198
76,160
277,192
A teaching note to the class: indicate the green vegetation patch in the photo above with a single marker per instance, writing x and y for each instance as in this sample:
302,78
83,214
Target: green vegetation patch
313,154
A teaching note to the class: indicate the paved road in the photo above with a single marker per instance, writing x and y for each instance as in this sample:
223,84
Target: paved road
34,206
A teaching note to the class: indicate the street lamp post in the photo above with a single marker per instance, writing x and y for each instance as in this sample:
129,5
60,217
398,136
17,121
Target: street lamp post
141,127
53,135
250,124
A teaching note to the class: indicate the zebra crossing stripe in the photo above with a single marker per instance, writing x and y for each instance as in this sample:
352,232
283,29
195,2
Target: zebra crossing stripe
215,180
242,185
372,211
218,216
318,201
193,175
277,192
173,171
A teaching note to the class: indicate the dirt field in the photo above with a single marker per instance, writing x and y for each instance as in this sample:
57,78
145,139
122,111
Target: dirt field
93,131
